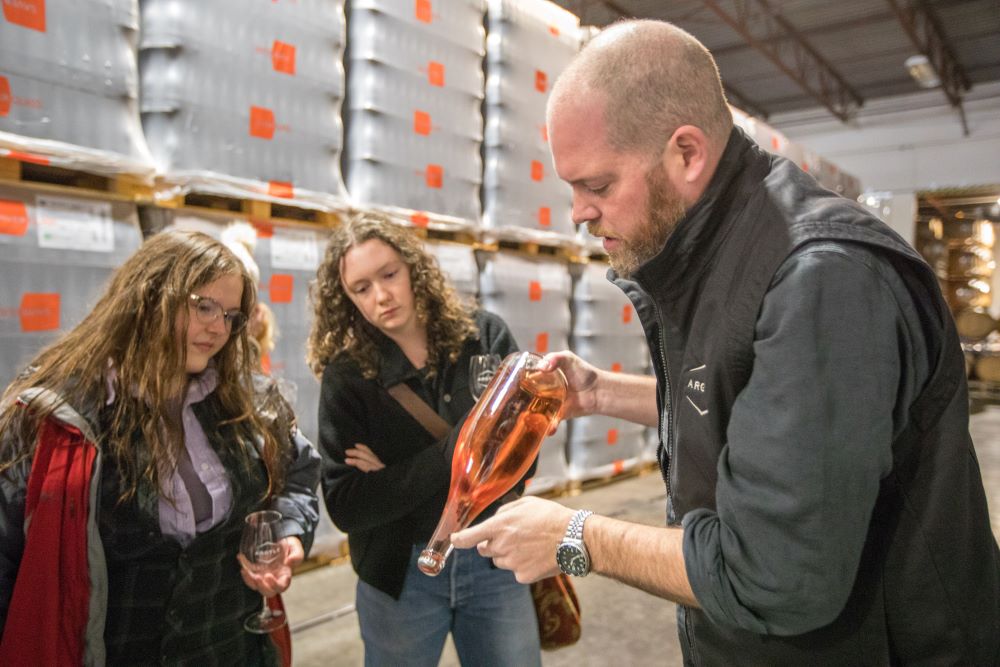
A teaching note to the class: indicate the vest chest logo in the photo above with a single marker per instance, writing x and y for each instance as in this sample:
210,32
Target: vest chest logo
695,390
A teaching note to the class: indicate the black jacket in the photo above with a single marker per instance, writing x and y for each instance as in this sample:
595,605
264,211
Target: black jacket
923,586
384,513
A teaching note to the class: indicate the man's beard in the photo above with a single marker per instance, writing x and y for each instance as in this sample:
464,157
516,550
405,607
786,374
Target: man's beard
664,210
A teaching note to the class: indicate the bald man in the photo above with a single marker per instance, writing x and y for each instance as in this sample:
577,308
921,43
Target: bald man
824,502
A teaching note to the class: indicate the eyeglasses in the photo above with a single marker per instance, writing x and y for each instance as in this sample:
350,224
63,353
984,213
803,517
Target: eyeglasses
209,310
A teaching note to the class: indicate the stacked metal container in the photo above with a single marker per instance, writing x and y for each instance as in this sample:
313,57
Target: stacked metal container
532,296
56,254
249,91
530,43
415,91
68,74
606,333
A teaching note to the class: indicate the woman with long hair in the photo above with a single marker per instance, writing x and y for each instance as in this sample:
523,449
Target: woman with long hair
131,450
385,318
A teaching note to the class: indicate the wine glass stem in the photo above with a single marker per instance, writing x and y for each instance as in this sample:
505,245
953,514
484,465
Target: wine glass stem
265,611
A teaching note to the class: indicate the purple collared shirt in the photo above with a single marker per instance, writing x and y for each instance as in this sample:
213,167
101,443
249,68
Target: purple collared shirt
177,518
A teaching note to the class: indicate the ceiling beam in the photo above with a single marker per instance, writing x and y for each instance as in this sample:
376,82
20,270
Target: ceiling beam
764,29
924,30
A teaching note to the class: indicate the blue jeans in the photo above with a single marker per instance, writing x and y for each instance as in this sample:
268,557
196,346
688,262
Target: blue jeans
490,615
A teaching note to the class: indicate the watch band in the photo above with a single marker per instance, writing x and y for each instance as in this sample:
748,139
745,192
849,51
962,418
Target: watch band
574,531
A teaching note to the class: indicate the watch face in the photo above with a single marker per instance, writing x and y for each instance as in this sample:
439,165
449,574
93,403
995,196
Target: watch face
572,560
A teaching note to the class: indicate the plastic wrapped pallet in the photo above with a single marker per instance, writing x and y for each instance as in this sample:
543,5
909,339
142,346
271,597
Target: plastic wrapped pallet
415,91
530,43
56,255
243,97
606,333
532,296
69,84
458,262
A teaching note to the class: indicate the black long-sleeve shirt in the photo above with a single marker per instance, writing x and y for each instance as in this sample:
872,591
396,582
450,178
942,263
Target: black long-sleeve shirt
387,511
839,356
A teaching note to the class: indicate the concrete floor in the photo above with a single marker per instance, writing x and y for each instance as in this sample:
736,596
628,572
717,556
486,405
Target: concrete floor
621,626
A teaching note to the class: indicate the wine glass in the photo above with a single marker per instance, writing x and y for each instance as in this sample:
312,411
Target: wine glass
263,554
482,367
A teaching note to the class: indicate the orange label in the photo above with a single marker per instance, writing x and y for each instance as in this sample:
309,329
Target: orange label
261,123
283,57
545,133
420,220
534,291
39,312
25,13
542,343
265,230
805,167
537,170
435,73
775,143
554,31
626,314
5,96
424,11
541,81
281,287
27,157
421,122
617,467
434,176
13,218
265,363
280,189
544,216
616,367
612,436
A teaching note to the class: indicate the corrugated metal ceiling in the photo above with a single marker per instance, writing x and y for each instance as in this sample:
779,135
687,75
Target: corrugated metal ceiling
864,41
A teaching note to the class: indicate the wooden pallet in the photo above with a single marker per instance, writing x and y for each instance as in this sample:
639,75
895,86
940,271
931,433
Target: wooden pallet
254,210
564,253
463,237
34,171
576,487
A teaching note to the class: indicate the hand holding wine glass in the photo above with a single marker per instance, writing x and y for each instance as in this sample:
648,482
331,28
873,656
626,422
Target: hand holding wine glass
261,552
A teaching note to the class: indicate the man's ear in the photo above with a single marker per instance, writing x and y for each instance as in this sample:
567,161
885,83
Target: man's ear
688,161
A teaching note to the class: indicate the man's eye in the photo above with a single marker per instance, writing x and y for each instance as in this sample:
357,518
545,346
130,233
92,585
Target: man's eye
599,190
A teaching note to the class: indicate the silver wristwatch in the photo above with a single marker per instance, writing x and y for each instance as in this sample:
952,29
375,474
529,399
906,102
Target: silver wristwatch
571,554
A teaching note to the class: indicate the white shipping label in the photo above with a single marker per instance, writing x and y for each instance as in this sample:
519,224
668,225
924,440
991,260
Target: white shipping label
74,224
295,249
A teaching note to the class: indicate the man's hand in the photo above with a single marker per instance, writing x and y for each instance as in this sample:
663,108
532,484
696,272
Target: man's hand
582,382
522,537
273,583
363,458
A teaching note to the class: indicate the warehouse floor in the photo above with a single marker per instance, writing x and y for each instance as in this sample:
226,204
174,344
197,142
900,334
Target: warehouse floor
620,625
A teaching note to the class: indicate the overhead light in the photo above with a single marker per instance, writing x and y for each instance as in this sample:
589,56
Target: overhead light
922,71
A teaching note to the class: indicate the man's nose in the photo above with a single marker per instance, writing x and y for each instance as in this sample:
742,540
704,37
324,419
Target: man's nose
584,212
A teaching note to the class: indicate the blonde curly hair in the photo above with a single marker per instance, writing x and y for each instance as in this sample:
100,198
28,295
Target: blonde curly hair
340,329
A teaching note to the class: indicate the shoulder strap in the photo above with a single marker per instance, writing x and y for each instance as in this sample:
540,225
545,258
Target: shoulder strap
419,410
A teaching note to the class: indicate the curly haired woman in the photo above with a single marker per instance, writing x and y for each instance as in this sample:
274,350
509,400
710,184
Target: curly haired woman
131,450
385,316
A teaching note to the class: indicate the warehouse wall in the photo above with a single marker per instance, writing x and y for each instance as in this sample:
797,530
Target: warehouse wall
897,150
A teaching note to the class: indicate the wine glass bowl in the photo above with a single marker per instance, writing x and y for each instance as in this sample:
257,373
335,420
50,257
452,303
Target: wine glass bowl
496,446
482,368
263,552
